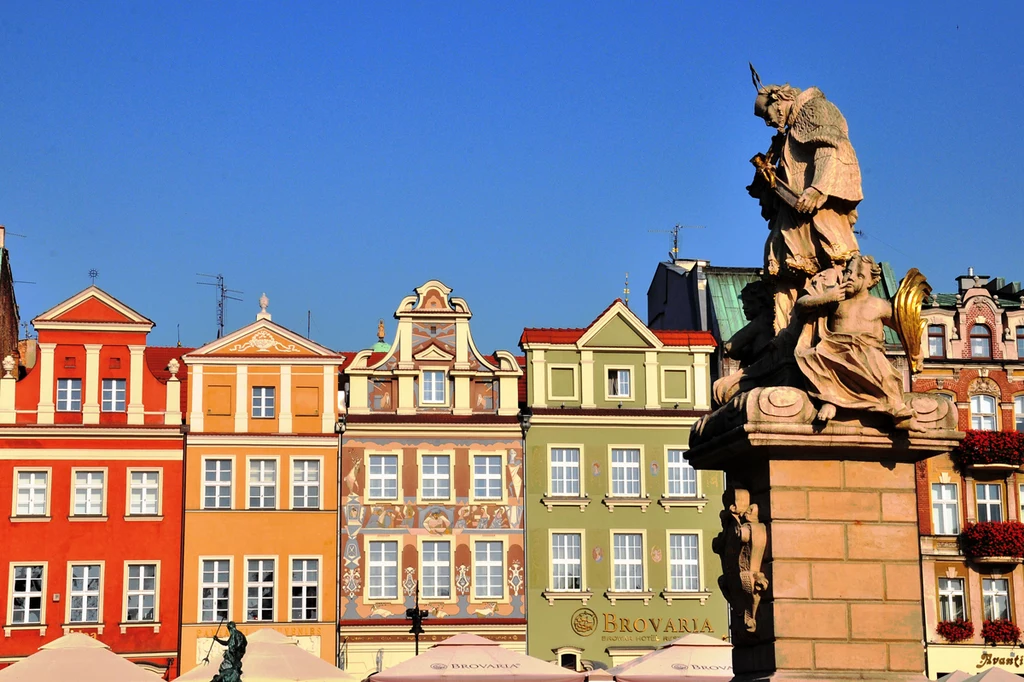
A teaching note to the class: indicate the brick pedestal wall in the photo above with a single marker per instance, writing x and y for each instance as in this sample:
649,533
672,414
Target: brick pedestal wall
844,568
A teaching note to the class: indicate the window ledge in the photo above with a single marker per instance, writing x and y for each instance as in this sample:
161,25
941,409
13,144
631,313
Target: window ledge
29,519
553,596
696,502
88,517
612,502
68,627
139,624
9,628
669,595
144,517
644,596
551,502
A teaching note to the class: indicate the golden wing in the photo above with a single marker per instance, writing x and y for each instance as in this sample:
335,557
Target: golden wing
906,306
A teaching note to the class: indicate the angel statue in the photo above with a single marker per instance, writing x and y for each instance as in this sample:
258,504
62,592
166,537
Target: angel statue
841,349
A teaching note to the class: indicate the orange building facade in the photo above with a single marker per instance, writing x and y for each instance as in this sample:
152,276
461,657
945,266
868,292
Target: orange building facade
432,488
261,512
91,451
974,353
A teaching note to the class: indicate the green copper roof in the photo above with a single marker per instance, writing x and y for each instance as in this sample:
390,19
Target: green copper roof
886,288
725,288
381,347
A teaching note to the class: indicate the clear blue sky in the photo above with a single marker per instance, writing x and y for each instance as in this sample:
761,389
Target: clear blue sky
335,155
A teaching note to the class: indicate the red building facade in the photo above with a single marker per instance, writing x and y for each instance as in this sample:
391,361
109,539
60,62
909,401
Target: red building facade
91,446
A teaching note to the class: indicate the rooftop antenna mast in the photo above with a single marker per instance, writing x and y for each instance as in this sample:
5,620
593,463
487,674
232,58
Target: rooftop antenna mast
674,253
625,290
223,294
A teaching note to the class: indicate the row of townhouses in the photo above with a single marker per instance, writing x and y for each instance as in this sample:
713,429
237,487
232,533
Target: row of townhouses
540,498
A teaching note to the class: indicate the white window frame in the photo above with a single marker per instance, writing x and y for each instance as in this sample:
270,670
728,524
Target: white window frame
428,390
623,468
259,585
488,477
33,487
982,420
560,469
385,567
429,567
218,484
305,483
972,336
383,477
949,589
304,584
67,389
945,509
684,573
1018,412
140,592
84,593
114,395
941,338
215,585
565,567
256,479
995,593
264,403
41,594
94,507
430,479
480,564
990,503
683,472
629,564
617,393
144,496
1019,330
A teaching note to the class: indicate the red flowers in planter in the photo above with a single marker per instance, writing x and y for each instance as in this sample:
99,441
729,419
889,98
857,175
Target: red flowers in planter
958,630
989,447
993,539
1000,631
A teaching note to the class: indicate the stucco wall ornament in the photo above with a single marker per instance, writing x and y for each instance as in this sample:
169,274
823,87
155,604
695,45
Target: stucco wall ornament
983,385
263,342
741,546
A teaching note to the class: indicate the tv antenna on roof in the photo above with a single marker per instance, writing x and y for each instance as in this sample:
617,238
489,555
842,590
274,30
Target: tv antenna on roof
223,294
674,253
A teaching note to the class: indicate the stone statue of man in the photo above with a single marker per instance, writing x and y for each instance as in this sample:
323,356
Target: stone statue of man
814,165
231,665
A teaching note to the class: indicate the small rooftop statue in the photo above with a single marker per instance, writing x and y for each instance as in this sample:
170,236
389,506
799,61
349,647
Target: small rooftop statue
813,325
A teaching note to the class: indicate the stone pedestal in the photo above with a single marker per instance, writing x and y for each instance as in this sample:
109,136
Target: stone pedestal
819,545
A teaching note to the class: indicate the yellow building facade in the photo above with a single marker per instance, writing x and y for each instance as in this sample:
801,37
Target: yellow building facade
261,476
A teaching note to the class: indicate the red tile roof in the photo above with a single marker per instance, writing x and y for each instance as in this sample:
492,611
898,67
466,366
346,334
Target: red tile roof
157,358
570,336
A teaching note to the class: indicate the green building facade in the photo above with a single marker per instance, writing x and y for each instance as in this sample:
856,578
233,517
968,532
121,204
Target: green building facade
619,526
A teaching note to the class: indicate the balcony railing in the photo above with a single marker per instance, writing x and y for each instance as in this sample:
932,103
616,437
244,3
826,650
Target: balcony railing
993,541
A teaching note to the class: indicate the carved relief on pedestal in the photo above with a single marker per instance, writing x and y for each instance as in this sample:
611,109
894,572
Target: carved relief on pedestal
741,546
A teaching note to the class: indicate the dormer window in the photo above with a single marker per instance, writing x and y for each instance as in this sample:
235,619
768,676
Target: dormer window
1020,343
936,341
433,387
981,342
619,383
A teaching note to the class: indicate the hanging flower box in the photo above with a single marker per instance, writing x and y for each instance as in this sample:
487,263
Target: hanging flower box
953,631
990,450
998,541
1000,631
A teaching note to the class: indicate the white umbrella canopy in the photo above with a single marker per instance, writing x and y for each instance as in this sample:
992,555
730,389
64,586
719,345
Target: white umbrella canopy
272,657
689,657
955,676
469,658
75,657
993,675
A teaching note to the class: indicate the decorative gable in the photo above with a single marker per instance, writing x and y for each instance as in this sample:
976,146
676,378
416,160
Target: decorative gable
263,338
92,307
618,327
433,353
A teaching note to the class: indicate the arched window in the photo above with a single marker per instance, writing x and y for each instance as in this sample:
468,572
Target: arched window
936,341
1018,413
981,342
570,661
983,413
